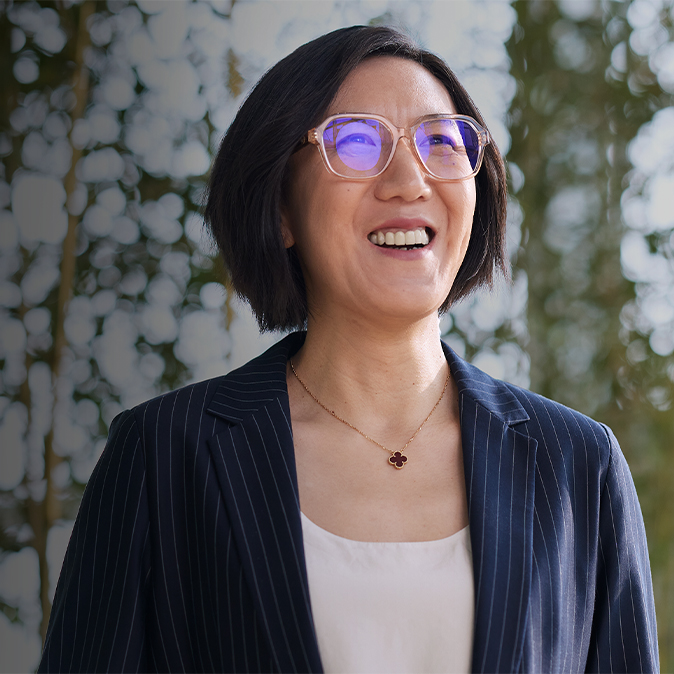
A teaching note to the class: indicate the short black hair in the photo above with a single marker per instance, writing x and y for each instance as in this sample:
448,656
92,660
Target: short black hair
251,167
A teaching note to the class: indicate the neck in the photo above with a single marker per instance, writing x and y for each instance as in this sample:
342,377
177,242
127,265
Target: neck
371,375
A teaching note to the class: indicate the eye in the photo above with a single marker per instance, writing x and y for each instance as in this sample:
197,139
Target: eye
441,140
439,136
356,138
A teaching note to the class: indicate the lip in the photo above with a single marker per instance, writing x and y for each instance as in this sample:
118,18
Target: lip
406,255
404,225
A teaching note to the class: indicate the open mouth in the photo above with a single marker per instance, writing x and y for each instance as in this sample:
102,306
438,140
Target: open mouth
402,240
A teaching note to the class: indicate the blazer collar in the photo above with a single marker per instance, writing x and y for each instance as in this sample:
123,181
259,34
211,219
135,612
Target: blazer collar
492,394
243,391
259,382
260,490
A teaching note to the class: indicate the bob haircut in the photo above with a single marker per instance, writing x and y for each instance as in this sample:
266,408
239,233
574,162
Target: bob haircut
251,169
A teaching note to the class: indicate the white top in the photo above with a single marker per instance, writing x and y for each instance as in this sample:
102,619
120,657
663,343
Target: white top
391,607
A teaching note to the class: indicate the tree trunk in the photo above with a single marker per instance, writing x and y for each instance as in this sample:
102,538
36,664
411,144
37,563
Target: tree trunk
50,509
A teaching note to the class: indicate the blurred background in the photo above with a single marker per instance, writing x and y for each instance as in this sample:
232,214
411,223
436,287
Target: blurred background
110,291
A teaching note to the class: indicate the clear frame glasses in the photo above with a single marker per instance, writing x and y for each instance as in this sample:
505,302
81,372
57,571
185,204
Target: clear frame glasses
360,146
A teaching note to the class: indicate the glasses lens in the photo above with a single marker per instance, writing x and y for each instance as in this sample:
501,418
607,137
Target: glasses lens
357,147
450,148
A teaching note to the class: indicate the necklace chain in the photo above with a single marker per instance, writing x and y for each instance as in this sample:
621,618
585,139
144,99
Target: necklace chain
397,458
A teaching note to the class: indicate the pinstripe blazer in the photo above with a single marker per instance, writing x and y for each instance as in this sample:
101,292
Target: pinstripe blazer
187,552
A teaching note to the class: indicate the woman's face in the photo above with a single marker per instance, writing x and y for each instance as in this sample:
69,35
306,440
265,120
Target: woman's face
330,220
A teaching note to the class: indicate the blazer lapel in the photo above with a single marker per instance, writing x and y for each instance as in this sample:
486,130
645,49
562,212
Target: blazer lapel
499,464
255,466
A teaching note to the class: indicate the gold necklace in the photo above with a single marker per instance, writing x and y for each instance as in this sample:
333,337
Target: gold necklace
396,459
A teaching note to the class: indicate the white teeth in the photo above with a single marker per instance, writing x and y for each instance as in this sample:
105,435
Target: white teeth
400,239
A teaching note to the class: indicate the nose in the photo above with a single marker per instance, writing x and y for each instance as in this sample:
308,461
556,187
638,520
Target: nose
404,177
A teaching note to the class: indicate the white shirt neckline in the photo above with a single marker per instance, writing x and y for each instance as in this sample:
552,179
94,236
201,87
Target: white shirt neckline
312,525
389,606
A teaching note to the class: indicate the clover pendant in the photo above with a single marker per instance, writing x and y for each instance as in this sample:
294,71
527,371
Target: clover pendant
397,460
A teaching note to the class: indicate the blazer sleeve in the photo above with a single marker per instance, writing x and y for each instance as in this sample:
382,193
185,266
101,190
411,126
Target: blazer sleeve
97,621
624,632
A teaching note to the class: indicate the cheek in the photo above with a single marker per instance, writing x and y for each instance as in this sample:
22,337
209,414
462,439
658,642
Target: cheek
320,209
470,197
306,221
460,205
470,213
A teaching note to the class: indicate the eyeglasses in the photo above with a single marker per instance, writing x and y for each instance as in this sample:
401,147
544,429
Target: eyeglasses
357,147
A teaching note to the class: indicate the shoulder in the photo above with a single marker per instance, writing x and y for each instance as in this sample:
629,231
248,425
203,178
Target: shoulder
551,419
229,396
582,445
560,431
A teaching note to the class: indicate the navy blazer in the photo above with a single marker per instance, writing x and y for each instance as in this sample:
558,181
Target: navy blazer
187,552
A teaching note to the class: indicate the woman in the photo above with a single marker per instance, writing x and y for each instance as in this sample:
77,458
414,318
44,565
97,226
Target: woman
357,193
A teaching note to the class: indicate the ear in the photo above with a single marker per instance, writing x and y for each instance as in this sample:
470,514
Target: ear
286,233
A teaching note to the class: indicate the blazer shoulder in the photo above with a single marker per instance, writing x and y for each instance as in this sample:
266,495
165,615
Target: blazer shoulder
185,396
557,425
242,389
545,420
536,401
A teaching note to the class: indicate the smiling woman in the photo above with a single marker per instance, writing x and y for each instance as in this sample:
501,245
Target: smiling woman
330,217
253,523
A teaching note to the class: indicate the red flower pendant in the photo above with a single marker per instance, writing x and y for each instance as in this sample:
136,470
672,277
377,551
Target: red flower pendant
397,460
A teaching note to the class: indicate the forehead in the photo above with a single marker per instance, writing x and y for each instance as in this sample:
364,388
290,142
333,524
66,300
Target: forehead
394,87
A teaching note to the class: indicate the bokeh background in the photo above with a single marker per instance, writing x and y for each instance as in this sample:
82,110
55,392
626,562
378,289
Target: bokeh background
110,291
